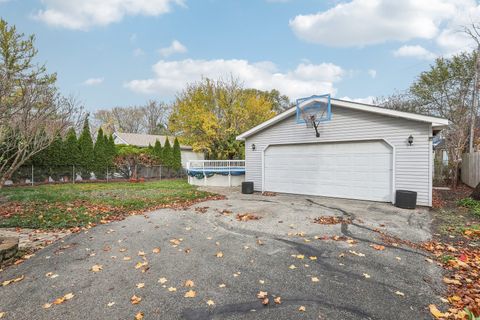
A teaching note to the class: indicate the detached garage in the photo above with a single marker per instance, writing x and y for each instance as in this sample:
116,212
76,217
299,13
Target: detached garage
360,152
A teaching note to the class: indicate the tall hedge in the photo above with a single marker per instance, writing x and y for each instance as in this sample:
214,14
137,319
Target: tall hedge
176,156
157,150
85,146
100,157
167,154
70,148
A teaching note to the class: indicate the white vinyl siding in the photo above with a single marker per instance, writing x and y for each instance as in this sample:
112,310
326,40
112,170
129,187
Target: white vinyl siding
411,163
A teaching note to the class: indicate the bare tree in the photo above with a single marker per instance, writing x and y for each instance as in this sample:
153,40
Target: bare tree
150,118
32,112
474,33
155,117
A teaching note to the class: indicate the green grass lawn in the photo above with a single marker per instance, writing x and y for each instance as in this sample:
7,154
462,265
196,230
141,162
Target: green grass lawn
83,204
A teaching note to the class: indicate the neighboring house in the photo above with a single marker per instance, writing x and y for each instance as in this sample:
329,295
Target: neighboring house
362,153
144,140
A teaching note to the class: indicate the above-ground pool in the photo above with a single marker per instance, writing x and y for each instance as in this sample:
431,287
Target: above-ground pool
221,173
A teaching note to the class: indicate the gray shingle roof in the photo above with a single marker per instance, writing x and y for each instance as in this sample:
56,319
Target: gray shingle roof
143,140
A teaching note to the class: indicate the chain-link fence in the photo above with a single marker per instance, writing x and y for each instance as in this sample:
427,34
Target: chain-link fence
33,175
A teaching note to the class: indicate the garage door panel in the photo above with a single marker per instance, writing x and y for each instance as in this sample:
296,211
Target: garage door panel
361,170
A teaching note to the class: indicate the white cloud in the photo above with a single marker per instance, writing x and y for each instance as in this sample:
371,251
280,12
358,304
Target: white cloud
366,100
367,22
372,73
83,14
414,52
304,80
93,81
175,47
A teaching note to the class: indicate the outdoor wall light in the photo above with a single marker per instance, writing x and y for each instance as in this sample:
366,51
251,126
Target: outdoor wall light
410,140
254,146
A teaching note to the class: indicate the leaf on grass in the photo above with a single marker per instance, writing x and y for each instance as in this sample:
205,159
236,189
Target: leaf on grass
135,299
190,294
96,268
435,312
189,283
451,281
139,316
7,282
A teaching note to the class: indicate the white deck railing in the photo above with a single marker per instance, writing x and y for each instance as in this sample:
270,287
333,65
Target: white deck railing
208,167
216,165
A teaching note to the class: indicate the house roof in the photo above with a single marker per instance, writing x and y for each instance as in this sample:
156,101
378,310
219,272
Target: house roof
144,140
437,123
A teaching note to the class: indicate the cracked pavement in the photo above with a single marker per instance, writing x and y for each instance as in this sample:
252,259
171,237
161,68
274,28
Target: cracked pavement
257,255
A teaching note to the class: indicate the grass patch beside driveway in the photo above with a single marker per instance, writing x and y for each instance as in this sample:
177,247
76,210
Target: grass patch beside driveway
83,204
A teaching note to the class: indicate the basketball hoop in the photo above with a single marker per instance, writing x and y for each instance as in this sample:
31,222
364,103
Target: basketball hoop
313,110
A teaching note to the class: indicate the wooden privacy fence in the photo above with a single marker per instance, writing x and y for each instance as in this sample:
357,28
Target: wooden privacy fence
471,169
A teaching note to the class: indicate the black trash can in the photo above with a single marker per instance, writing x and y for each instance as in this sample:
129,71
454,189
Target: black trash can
406,199
247,187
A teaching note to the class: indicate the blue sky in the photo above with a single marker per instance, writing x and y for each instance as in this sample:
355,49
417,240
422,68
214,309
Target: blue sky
123,52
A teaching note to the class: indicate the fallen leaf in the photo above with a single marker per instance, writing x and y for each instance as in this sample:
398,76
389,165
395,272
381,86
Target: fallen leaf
189,283
210,303
139,316
277,300
51,275
127,258
219,254
262,294
313,258
141,253
435,312
265,301
315,279
377,247
190,294
222,285
140,285
366,275
400,293
359,254
162,280
68,296
46,305
156,250
261,281
451,281
301,309
172,289
7,282
300,256
141,264
135,299
97,268
110,304
292,267
2,314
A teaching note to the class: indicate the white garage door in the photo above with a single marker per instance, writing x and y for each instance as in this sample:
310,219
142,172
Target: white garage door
354,170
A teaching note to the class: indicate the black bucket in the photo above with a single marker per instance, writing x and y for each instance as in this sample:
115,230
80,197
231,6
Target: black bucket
406,199
247,187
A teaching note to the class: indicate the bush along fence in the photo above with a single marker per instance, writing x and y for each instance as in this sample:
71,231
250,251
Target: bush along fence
34,175
72,159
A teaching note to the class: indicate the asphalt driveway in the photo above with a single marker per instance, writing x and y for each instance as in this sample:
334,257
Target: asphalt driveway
329,271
